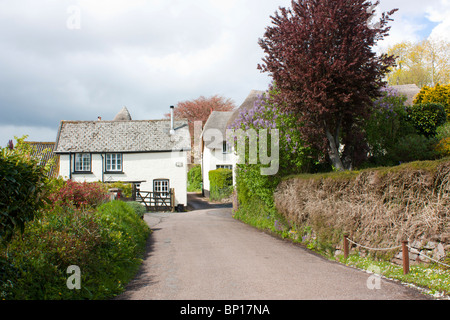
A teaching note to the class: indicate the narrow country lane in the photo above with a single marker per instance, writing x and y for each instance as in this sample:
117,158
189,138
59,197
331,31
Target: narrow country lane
205,254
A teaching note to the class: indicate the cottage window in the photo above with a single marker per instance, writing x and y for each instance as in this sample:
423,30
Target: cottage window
82,162
113,162
224,166
161,186
226,147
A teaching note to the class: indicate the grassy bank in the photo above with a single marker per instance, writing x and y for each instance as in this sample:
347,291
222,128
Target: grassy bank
106,243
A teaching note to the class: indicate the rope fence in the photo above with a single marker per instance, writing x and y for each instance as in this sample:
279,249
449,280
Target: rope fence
374,249
429,258
405,252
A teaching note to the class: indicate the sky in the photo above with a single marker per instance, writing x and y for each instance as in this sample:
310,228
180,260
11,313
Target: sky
80,59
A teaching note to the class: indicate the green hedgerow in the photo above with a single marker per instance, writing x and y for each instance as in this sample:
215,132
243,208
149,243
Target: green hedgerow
221,184
195,179
107,244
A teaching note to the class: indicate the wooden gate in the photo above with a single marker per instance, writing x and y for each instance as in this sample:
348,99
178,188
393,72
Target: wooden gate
157,201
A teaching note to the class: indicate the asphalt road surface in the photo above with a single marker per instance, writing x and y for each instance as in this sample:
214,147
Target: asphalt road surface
205,254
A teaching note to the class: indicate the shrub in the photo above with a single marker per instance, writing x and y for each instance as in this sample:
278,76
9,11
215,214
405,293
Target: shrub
195,179
55,240
221,181
414,147
387,124
125,187
294,156
138,208
80,194
426,118
23,189
106,244
443,138
437,94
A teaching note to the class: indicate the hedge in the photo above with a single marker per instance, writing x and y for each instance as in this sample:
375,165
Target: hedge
195,179
221,184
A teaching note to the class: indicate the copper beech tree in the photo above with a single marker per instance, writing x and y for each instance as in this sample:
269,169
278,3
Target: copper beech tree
199,110
320,55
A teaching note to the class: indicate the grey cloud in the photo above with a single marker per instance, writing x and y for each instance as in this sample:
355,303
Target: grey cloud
49,73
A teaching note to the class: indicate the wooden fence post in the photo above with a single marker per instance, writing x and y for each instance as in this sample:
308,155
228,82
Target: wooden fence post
405,255
346,246
172,199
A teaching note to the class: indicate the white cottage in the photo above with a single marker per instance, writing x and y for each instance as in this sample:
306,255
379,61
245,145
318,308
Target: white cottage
151,153
217,153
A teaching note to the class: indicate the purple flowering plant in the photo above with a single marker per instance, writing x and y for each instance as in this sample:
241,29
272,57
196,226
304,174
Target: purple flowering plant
294,157
268,114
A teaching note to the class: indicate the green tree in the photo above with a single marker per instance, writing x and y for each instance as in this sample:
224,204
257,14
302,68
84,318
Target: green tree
423,63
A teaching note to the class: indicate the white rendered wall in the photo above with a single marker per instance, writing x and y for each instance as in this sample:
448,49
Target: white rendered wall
211,159
138,167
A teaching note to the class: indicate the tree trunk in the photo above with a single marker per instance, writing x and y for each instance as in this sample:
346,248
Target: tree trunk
333,151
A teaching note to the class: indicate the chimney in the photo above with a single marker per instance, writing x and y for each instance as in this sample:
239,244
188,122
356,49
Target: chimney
172,130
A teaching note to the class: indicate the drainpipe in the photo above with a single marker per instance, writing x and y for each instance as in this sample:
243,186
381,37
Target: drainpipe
103,168
70,165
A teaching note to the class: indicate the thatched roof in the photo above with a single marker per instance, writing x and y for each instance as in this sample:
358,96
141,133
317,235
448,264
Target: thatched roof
217,122
248,103
408,90
123,115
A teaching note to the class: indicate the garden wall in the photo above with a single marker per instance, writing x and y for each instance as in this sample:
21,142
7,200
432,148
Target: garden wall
376,207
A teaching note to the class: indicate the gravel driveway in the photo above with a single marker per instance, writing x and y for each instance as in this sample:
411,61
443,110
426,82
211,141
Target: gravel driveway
205,254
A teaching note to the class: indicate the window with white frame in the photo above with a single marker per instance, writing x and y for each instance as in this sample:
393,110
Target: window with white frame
226,147
113,162
82,162
224,166
162,187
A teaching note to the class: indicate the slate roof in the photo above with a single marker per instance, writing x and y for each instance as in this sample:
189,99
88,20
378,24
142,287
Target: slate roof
217,121
122,136
44,151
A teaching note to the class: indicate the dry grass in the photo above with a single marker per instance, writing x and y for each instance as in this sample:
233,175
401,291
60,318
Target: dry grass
378,207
